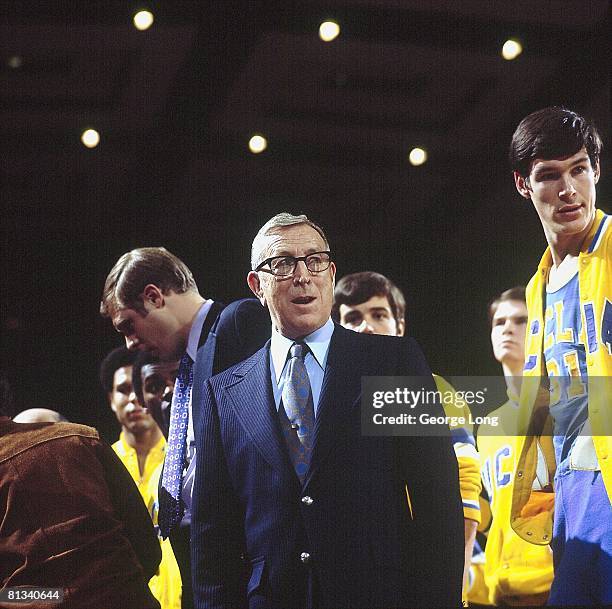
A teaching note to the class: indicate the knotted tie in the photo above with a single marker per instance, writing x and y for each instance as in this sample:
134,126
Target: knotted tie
297,411
171,507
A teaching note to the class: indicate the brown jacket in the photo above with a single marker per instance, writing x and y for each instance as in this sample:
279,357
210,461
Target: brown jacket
72,518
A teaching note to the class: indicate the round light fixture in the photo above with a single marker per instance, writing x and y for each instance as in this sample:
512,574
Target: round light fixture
90,138
143,20
328,31
417,156
257,144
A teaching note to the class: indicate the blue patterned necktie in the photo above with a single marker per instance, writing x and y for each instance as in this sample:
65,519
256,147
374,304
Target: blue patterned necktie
297,411
171,507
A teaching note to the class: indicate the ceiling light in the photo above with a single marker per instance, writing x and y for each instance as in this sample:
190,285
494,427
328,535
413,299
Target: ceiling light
14,62
143,20
512,49
257,144
417,156
90,138
328,30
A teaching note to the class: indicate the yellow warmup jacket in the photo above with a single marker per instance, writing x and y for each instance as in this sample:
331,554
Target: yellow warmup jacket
515,572
465,451
166,585
531,517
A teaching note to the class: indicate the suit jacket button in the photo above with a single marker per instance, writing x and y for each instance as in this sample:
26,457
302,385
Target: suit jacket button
305,557
307,500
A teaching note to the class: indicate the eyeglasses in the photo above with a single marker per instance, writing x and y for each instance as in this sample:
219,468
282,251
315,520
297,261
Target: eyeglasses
283,266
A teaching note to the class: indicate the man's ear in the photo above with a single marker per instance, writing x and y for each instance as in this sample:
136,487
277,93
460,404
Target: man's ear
113,407
332,270
255,285
153,295
401,326
521,185
596,172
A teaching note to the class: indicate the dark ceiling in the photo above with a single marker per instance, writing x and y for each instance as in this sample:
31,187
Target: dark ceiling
175,106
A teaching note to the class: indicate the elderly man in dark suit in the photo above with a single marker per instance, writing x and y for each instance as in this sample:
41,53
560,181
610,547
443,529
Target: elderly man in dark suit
153,300
293,506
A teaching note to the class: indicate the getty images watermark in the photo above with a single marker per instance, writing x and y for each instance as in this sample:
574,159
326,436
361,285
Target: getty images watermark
422,406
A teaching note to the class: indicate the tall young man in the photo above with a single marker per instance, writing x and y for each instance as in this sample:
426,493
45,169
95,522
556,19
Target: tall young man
555,158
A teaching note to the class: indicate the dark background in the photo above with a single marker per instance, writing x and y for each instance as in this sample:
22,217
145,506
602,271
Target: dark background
176,105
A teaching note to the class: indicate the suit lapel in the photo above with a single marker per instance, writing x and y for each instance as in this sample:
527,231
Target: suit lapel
341,388
253,402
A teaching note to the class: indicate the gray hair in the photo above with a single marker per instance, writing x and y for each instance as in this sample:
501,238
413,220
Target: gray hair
273,224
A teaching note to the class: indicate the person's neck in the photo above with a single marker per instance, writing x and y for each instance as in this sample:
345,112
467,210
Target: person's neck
513,374
143,441
186,307
562,246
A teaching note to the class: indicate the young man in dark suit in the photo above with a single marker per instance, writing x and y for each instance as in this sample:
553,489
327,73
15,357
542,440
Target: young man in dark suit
295,507
153,300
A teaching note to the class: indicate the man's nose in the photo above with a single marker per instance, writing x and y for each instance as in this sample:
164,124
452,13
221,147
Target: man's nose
365,327
301,273
567,189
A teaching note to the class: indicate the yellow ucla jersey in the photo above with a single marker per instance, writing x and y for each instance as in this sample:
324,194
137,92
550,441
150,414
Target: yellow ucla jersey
514,571
166,585
465,451
534,523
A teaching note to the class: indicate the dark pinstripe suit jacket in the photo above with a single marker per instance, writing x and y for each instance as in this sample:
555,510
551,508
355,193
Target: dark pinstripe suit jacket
250,525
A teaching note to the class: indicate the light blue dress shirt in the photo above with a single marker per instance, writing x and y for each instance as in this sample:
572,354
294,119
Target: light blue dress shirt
190,460
315,360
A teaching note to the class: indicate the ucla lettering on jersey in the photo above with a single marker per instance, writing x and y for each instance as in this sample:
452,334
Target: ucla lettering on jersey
497,471
565,339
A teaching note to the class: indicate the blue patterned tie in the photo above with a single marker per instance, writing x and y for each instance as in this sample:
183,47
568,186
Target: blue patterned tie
171,507
297,411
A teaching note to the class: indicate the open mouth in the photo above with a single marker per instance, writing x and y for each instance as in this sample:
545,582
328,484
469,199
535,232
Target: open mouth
303,300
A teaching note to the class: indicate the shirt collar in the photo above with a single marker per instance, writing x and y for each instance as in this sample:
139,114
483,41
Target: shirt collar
196,329
160,445
317,341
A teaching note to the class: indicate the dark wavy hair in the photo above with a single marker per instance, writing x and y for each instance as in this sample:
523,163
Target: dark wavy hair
552,133
360,287
117,358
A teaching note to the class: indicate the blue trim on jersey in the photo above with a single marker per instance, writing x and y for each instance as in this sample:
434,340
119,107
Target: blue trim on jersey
597,234
461,434
591,329
530,364
535,326
606,326
474,505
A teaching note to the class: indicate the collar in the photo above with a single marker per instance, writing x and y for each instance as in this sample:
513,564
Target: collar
318,343
589,245
127,449
196,329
